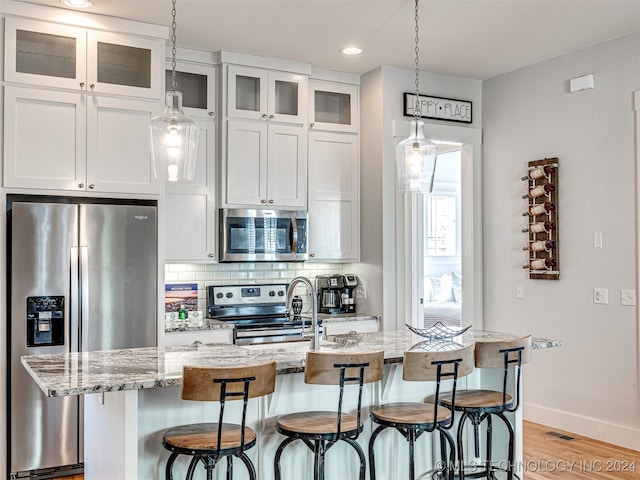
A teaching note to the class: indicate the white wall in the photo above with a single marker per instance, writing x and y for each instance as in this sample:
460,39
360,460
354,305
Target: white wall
590,385
382,208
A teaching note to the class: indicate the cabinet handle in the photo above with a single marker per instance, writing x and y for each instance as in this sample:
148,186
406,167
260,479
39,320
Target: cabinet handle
81,185
82,85
92,86
211,255
91,186
263,201
264,116
270,201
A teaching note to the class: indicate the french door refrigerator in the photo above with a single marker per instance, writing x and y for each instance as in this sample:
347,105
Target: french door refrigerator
82,277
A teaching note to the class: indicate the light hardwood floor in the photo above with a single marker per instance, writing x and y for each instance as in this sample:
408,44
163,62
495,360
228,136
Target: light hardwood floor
550,456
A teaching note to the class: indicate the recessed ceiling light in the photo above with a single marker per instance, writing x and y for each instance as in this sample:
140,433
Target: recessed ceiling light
78,3
352,51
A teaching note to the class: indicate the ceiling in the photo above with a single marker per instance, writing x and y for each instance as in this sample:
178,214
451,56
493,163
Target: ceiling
476,39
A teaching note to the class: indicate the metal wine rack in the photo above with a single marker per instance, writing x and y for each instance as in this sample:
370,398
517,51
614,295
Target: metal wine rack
551,254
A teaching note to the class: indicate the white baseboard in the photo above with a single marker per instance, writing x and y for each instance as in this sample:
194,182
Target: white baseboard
623,436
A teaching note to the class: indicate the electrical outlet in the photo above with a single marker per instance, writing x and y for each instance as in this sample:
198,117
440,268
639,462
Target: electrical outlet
361,292
627,297
601,295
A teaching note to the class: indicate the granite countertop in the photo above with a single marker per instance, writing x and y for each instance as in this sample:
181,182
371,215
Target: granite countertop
131,369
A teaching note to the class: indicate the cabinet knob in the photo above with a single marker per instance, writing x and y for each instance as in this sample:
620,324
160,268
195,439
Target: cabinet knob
82,85
264,116
91,186
263,201
81,185
211,255
270,201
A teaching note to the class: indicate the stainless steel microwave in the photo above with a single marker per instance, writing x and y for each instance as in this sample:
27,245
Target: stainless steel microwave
252,235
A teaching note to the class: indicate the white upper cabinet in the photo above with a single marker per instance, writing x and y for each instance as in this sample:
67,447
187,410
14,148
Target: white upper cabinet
71,141
270,95
190,207
333,106
334,213
54,55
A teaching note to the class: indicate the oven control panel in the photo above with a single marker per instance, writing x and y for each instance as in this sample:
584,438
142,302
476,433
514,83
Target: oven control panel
239,295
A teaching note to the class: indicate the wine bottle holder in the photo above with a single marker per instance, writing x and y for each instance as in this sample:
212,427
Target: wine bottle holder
542,229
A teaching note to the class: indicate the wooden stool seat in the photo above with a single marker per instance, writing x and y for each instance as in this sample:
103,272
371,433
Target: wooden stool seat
320,430
208,443
410,414
480,399
413,419
479,407
317,423
203,437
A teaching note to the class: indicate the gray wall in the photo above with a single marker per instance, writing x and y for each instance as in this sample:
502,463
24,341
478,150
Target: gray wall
590,385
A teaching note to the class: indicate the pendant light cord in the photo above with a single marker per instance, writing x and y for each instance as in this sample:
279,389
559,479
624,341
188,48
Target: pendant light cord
174,83
417,109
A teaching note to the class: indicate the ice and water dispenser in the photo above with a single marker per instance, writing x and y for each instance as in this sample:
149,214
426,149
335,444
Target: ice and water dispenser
45,321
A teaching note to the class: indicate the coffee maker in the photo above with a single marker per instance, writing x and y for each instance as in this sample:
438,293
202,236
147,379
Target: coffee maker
336,293
329,289
349,293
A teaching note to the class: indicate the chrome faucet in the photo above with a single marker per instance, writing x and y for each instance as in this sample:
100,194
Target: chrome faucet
315,340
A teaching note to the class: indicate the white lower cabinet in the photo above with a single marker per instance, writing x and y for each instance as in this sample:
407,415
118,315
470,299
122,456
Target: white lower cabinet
355,326
190,214
334,219
219,335
77,142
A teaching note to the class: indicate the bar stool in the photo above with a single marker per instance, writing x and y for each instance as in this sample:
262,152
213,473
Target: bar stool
480,405
320,430
414,419
207,443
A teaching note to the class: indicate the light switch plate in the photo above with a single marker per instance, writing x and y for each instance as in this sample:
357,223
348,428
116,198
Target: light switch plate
601,295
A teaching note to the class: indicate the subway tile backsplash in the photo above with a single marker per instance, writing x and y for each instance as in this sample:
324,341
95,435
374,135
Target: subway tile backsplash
232,273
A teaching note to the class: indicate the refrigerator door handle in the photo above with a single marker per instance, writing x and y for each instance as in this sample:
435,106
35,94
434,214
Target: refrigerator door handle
84,297
74,301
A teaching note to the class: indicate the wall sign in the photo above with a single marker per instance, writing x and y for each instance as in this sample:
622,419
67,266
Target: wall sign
439,108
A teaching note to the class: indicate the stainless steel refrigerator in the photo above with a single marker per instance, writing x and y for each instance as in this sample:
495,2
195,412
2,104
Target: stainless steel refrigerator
83,277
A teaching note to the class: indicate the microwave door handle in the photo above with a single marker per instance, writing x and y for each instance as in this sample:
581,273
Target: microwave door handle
294,236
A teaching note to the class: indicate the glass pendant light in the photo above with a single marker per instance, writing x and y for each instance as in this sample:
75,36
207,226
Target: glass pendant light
416,156
174,136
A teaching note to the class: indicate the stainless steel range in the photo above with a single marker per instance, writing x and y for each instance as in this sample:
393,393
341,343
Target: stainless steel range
258,313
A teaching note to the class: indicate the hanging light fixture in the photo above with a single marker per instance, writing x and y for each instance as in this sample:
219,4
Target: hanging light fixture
174,136
416,156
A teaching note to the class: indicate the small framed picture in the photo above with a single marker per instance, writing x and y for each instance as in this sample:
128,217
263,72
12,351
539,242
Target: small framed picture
438,108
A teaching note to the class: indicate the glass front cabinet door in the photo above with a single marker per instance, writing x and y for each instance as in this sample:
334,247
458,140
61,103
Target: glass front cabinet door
269,95
333,106
53,55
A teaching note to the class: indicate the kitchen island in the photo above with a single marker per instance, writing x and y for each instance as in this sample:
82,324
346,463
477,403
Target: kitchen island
131,396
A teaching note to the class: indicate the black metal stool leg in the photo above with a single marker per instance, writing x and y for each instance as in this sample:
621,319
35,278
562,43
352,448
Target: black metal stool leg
460,445
363,463
168,472
276,460
372,460
249,464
